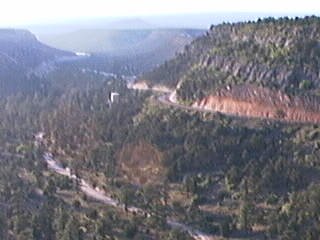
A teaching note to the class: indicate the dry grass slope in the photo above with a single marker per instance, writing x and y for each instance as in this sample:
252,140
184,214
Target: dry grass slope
141,163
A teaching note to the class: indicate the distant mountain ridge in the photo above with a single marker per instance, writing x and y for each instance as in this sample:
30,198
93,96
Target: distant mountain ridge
22,46
123,42
20,54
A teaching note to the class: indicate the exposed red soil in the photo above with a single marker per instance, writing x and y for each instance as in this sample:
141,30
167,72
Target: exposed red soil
252,101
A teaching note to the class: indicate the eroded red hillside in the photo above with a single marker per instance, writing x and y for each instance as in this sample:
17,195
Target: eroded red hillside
252,101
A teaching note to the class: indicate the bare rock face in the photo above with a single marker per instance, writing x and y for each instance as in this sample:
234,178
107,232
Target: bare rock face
252,101
141,85
144,85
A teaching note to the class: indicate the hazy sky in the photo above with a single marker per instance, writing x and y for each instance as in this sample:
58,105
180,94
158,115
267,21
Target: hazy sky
21,12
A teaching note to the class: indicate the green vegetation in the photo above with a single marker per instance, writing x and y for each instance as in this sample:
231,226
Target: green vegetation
281,54
242,174
230,177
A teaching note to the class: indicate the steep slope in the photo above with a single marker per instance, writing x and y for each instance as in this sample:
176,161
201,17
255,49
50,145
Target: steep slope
281,54
22,47
271,52
252,101
20,54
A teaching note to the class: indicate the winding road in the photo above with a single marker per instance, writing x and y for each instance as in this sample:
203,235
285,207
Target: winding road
170,100
266,112
101,196
167,98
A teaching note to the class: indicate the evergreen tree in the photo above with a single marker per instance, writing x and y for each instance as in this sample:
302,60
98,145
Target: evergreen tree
246,208
3,226
72,230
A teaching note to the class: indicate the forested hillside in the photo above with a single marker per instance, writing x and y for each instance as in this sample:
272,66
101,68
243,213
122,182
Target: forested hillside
228,177
276,53
20,55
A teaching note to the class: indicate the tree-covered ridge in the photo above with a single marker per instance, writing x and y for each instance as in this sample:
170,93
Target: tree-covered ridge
277,53
21,54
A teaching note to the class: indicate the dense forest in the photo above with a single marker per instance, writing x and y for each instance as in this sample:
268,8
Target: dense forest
276,53
228,177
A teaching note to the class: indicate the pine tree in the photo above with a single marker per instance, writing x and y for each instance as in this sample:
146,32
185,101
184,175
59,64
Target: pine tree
246,209
72,230
62,217
3,226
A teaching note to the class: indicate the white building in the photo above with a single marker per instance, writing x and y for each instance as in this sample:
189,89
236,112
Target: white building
114,97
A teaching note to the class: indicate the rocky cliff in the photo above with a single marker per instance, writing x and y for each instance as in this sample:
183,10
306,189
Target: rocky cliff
275,53
276,60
